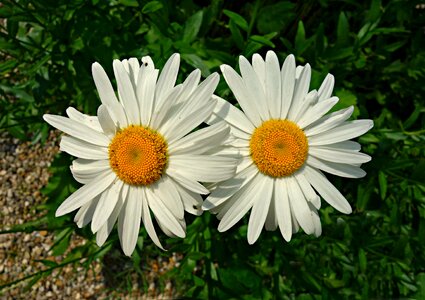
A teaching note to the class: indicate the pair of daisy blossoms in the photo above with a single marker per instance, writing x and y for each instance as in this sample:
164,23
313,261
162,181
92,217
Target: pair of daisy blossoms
140,155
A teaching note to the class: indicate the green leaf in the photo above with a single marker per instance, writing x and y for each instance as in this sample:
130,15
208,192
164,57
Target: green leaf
264,40
382,178
238,19
236,35
151,7
131,3
343,30
192,26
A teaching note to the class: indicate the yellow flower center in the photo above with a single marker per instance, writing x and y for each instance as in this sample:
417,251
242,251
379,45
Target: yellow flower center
138,155
278,148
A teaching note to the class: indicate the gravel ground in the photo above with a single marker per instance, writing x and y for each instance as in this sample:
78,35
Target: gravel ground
23,172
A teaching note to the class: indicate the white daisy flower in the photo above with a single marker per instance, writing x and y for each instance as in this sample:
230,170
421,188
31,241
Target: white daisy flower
284,139
138,154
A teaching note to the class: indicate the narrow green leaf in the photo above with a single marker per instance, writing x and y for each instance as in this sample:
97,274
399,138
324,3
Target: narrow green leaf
192,26
382,178
238,19
343,30
151,7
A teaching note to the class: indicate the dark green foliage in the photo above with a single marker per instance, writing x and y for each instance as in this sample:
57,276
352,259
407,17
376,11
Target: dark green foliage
376,52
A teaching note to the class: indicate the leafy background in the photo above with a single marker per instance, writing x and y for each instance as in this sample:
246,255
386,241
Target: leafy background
374,48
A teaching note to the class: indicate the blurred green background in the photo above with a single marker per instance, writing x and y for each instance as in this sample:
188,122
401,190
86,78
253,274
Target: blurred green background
375,50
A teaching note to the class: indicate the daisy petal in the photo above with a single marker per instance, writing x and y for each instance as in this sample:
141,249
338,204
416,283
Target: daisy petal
84,119
105,121
167,192
344,132
147,221
253,87
85,213
271,220
192,201
131,222
316,112
260,68
164,215
273,85
167,78
246,101
106,228
190,184
81,149
329,121
107,95
78,130
339,156
243,201
329,193
307,190
126,93
204,168
288,84
259,211
86,193
145,92
86,175
325,90
299,205
343,170
283,210
233,116
106,205
300,91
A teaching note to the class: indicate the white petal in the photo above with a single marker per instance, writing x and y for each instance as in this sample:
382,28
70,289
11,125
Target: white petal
189,85
241,126
79,148
228,188
329,193
259,211
106,228
271,220
166,191
131,221
106,205
190,184
161,111
133,70
147,221
244,199
85,213
306,105
77,130
201,141
187,124
88,174
288,84
81,164
167,78
126,92
164,215
145,92
84,119
107,95
254,88
299,206
344,132
301,90
192,201
86,193
246,101
316,221
307,190
204,168
316,112
273,85
325,90
105,121
260,68
339,156
343,170
329,121
342,146
283,210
